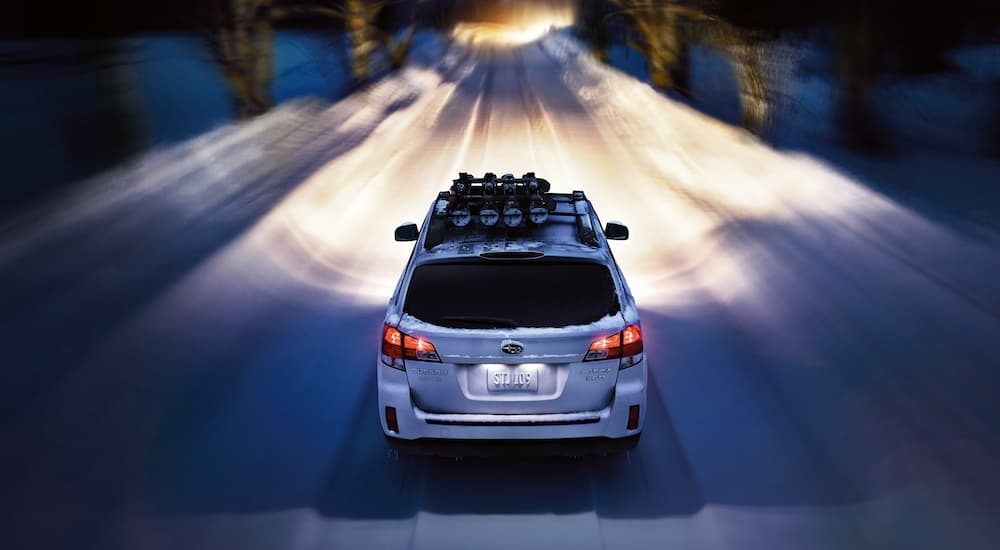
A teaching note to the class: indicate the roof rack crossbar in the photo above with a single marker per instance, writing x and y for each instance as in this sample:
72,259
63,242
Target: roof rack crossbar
585,229
504,203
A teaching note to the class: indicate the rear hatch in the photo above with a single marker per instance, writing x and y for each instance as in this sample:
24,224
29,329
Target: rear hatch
512,336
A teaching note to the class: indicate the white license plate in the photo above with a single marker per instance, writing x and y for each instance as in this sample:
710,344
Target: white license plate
504,378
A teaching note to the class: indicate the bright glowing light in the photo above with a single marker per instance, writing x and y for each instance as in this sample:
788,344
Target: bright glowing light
498,33
521,27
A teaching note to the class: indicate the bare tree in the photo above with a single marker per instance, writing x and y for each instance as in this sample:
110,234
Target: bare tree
661,37
744,48
858,63
591,19
242,41
360,18
667,29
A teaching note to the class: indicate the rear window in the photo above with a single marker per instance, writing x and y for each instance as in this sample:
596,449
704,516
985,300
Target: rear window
494,294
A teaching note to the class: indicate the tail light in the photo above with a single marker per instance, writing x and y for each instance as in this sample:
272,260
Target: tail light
397,346
631,341
626,345
605,348
419,349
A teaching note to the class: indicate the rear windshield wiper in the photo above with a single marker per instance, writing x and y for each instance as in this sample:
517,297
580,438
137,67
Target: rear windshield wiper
490,322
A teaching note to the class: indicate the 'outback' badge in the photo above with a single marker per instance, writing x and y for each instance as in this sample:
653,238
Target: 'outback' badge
511,347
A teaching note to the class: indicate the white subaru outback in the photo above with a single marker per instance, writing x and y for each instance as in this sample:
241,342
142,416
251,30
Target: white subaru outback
511,324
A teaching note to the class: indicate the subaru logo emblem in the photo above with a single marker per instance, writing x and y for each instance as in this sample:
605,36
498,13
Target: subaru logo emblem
511,347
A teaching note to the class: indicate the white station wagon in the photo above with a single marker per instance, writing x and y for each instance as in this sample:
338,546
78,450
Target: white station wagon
511,327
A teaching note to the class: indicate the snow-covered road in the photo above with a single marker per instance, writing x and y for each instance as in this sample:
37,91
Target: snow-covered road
190,339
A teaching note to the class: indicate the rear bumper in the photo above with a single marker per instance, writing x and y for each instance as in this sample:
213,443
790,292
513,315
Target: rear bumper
591,427
513,447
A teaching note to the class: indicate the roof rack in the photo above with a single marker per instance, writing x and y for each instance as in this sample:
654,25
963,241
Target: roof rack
501,203
505,200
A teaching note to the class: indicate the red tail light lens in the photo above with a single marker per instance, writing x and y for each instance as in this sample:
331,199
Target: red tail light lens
392,342
605,348
397,346
392,347
626,345
631,340
419,349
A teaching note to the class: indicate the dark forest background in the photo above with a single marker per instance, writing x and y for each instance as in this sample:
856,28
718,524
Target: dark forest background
914,22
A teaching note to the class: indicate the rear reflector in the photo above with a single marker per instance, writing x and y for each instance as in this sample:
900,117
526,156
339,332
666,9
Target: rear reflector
633,417
393,424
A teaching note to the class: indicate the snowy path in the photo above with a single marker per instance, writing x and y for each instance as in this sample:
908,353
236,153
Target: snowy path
194,336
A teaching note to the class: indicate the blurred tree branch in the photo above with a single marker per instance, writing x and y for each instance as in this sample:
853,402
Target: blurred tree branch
661,37
242,42
666,31
360,18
